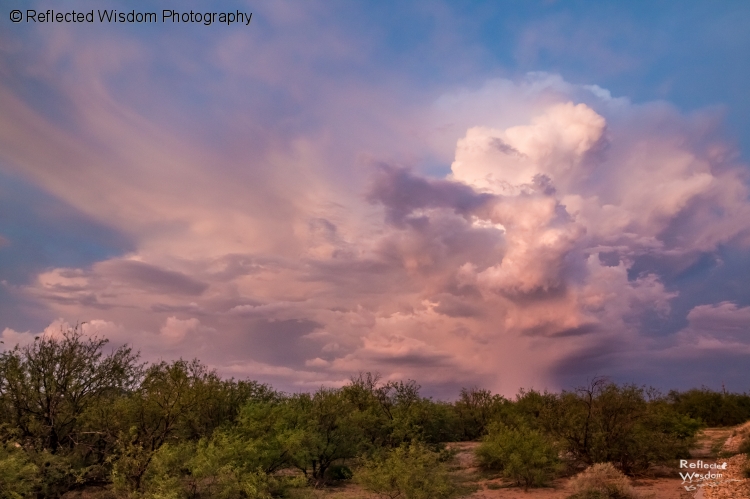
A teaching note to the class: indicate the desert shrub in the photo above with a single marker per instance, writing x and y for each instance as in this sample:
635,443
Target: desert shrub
602,481
164,476
625,425
475,409
411,471
228,467
221,467
57,475
523,455
47,386
392,413
428,421
532,408
713,408
316,430
339,472
230,482
19,477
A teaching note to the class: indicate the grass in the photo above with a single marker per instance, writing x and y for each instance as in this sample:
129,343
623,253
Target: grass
717,446
602,481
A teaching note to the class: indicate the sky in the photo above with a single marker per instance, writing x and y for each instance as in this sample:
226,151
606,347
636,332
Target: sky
499,195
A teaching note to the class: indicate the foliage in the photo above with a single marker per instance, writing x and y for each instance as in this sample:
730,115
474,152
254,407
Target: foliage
326,431
624,425
19,477
475,409
713,408
411,471
45,387
268,429
393,413
218,471
340,472
48,390
532,408
73,416
602,481
154,414
218,467
523,455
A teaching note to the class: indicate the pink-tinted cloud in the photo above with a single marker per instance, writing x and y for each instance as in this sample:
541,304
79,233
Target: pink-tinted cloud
302,250
722,328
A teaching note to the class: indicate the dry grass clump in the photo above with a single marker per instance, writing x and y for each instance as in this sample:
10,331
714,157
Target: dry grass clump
739,441
602,481
744,446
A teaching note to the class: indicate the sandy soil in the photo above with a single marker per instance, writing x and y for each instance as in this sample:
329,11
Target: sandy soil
710,441
648,489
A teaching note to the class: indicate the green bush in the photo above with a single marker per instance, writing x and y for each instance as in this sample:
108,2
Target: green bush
523,455
625,425
713,408
164,478
602,481
339,472
222,468
19,477
411,471
475,409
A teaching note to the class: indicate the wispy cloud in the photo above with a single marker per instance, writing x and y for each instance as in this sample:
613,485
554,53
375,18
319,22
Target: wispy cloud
280,224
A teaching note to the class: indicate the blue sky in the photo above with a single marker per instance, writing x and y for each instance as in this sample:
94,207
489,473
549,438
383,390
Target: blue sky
499,194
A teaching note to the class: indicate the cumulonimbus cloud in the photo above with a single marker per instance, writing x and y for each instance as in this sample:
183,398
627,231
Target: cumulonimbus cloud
505,273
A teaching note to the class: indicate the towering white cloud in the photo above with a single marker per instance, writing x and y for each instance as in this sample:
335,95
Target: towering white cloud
541,254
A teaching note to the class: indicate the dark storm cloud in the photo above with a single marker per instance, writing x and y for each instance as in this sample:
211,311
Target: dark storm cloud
252,248
402,192
151,277
280,342
454,306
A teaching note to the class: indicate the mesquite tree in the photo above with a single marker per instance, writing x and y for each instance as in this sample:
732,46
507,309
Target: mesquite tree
46,387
